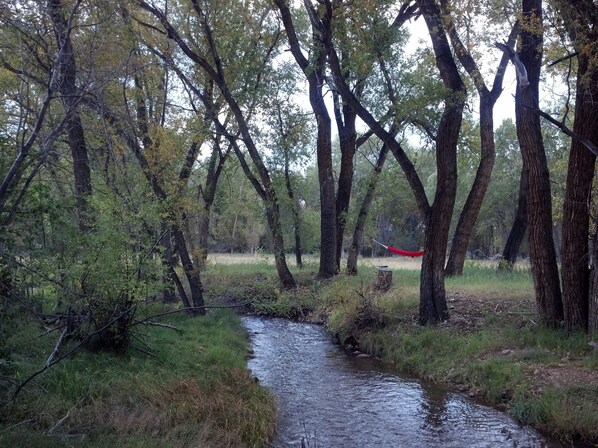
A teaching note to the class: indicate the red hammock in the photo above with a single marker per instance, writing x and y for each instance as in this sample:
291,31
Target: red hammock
402,252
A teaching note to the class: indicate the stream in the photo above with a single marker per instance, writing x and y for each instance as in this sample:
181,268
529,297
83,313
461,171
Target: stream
327,399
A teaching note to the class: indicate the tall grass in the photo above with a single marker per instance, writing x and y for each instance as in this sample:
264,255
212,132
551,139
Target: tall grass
193,390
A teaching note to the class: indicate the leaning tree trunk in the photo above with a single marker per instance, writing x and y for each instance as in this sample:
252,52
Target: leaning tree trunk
476,195
273,217
363,213
517,233
576,213
191,271
542,252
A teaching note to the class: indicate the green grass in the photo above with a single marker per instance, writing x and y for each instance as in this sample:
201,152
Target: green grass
573,407
193,390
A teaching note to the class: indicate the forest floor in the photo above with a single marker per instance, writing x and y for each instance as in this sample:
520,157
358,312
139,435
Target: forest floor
492,347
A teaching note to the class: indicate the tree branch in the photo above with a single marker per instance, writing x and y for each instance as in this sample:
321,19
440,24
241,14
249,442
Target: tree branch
586,142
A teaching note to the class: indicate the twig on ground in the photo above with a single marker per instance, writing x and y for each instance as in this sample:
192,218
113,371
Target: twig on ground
29,420
190,308
158,324
57,347
59,423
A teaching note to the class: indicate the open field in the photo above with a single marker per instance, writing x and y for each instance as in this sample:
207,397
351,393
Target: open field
393,262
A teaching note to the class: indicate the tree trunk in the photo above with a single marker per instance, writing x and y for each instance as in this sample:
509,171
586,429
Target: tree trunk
208,193
433,306
363,213
593,295
70,97
273,217
191,271
476,195
542,251
294,210
347,137
517,233
326,180
488,99
314,71
204,233
576,213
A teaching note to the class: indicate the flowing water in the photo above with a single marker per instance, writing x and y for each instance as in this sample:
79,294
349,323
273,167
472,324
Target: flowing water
327,399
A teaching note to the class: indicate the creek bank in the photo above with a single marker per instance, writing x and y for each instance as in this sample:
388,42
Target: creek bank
491,348
328,399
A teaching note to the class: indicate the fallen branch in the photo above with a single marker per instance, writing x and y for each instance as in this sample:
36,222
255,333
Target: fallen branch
190,308
9,379
57,347
59,423
84,341
158,324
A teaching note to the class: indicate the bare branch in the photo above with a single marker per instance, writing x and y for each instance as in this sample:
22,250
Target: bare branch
586,142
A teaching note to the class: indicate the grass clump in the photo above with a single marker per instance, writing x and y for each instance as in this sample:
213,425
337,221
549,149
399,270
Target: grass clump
193,390
573,407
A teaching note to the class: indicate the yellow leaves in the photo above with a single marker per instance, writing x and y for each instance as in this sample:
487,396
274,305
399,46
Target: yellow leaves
531,23
167,151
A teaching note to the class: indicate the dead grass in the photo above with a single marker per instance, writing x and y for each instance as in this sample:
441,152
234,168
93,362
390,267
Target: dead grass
182,412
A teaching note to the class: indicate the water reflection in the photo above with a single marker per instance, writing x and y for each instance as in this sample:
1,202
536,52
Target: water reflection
330,400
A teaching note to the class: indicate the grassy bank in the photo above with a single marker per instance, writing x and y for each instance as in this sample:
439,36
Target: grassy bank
492,346
177,388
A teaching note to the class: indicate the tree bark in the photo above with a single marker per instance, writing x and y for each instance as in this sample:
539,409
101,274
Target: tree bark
488,99
580,175
433,307
517,233
314,71
357,242
345,118
328,266
593,295
67,86
471,209
168,259
208,194
576,213
542,252
294,210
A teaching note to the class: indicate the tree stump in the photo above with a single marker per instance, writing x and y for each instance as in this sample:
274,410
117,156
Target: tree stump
384,281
